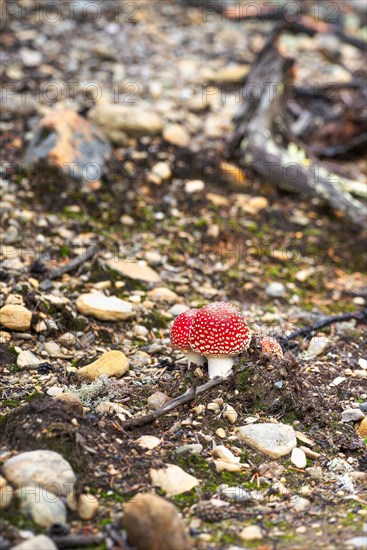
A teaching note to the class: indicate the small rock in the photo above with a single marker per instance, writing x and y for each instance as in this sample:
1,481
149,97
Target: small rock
148,442
274,440
352,415
223,465
162,170
230,74
304,274
69,144
156,400
109,407
45,468
132,120
276,290
362,363
16,317
163,294
27,359
177,135
358,543
177,309
134,270
30,58
220,433
54,391
318,345
220,451
300,504
111,363
337,381
251,205
315,472
310,453
230,414
271,470
72,402
298,458
44,507
173,480
252,532
236,494
153,523
104,308
194,186
40,542
140,359
68,340
193,448
52,349
6,493
87,506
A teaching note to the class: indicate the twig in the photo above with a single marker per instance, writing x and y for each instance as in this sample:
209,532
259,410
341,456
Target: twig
77,541
359,316
189,395
357,293
76,262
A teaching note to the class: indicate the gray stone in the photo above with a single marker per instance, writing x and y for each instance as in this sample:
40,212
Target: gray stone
298,458
27,359
357,542
156,400
104,308
275,290
193,448
172,479
352,415
40,542
68,144
315,472
274,440
300,504
318,345
46,468
44,507
132,120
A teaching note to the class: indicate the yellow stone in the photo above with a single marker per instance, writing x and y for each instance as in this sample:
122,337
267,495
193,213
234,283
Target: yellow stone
111,363
15,317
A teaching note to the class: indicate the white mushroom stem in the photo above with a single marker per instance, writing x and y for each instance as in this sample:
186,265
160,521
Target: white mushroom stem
195,358
220,366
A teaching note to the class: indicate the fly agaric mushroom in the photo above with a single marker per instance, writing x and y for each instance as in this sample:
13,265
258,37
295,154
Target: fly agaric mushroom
180,332
271,346
219,332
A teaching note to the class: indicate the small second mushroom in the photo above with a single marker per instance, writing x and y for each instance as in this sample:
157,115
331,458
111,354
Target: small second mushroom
180,336
271,346
220,333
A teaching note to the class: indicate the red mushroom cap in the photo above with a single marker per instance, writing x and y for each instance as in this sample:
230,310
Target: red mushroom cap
219,329
271,346
180,330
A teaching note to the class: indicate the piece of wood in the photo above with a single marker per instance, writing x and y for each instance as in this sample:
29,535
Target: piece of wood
73,264
258,140
186,397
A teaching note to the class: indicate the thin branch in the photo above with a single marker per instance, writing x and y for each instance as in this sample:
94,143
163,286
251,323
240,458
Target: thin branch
186,397
305,331
77,541
76,262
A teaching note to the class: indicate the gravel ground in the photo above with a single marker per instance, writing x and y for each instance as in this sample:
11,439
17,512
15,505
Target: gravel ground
175,226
